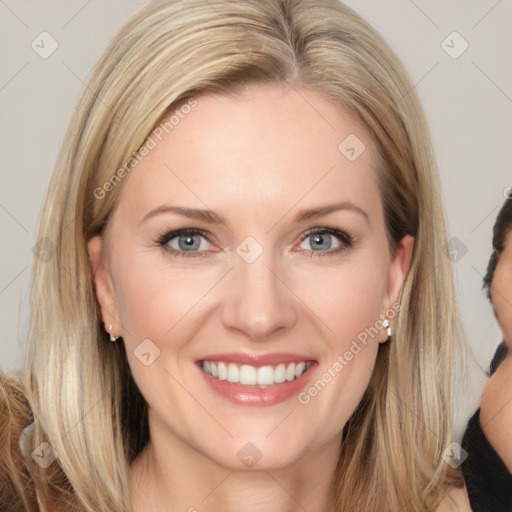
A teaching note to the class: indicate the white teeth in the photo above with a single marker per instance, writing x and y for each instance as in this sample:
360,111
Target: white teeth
223,371
265,376
247,375
233,373
299,369
280,373
262,376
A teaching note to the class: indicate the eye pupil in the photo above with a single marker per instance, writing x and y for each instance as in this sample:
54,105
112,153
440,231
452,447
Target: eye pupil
189,242
320,239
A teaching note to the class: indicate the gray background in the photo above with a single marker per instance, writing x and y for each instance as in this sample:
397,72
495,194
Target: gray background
467,100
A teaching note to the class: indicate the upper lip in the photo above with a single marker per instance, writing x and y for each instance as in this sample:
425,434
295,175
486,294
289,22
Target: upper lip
257,359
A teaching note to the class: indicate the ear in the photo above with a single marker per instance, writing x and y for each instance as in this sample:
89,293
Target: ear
398,269
103,285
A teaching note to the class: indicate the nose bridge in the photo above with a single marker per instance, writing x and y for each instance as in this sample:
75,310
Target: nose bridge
259,302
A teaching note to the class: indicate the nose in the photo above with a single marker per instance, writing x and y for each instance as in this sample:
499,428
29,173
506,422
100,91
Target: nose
258,301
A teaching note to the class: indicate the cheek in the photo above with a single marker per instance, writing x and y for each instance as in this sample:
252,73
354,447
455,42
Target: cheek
350,297
163,302
154,296
349,303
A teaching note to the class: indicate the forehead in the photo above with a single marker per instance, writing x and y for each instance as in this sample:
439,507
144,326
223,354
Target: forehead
262,151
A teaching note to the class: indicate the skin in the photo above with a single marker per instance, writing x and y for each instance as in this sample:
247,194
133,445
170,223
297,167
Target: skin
258,160
496,402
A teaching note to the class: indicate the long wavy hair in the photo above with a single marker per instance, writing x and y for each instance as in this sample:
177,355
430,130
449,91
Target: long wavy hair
78,386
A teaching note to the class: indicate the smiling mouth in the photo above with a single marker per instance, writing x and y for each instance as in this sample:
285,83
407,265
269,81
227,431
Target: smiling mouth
255,376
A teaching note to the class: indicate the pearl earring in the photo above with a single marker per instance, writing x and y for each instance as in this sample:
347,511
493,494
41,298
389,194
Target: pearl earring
387,326
112,338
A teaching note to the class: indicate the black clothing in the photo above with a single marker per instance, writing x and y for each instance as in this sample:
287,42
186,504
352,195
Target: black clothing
488,481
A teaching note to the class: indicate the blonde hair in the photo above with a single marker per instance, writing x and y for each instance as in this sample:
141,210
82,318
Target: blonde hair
79,386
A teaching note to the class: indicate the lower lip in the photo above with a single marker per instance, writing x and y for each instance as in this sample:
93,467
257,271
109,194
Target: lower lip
249,395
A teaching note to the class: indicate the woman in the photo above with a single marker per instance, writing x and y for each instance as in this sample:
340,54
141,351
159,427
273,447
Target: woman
488,467
281,348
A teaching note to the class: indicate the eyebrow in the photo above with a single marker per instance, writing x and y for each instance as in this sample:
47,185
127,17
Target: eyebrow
213,217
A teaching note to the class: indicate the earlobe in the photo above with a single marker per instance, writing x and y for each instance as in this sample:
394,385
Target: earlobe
102,283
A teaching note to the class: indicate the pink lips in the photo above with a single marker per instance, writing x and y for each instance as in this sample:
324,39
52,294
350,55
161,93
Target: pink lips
254,395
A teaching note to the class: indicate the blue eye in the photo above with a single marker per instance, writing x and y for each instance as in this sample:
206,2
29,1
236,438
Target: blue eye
321,241
188,242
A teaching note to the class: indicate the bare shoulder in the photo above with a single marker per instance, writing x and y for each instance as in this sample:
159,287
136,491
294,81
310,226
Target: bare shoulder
455,501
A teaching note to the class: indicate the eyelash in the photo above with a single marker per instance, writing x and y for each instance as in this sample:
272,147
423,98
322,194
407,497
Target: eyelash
346,239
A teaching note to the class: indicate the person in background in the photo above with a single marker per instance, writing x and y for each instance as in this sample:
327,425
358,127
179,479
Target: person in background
488,437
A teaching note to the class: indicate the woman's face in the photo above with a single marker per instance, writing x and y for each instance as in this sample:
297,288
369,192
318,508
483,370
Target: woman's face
496,404
259,291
